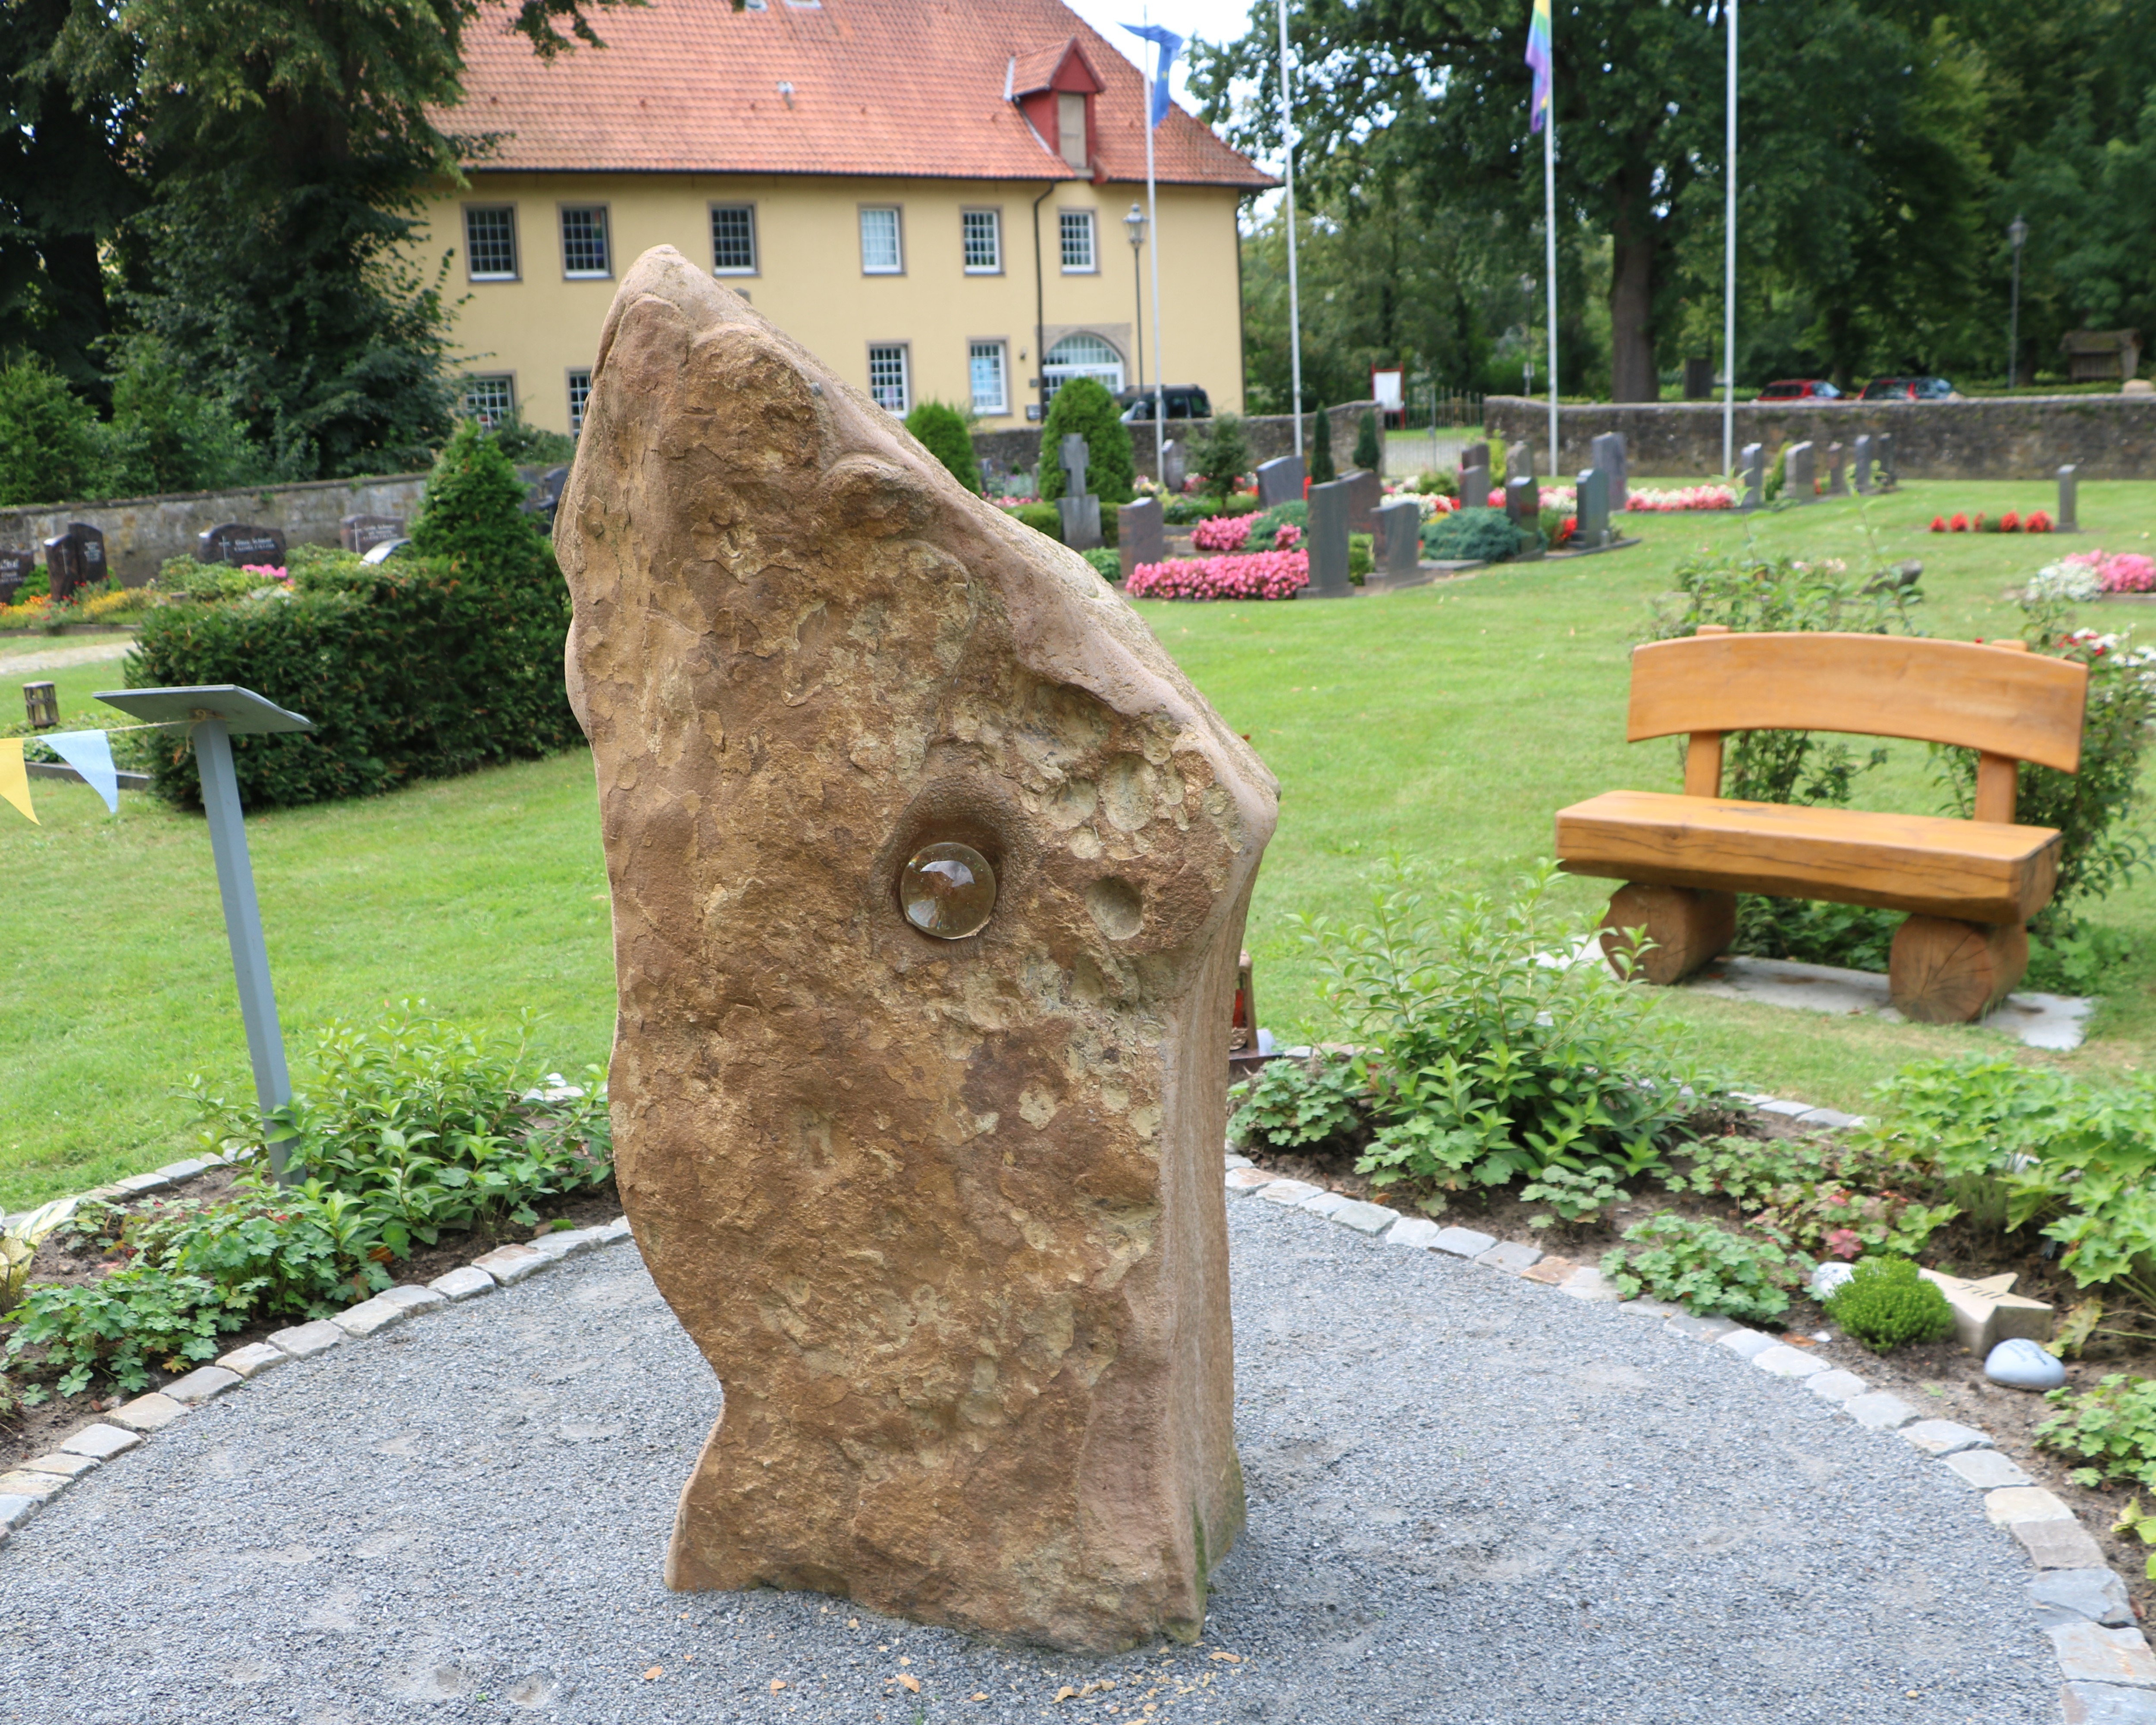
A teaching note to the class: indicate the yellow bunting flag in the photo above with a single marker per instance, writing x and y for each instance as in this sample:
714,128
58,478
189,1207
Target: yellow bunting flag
14,779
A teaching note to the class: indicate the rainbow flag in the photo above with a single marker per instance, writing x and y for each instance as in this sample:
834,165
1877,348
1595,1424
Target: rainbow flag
1539,57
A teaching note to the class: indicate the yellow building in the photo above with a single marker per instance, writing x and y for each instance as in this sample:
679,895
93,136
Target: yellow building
931,196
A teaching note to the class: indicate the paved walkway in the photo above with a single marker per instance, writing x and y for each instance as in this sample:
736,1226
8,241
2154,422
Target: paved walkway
60,658
1472,1500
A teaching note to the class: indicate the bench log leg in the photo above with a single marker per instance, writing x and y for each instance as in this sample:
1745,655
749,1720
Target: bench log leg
1947,972
1687,927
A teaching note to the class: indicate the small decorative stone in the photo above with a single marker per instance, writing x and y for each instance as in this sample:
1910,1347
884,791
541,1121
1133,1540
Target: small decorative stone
1244,1181
1694,1328
136,1185
2106,1703
101,1443
1370,1219
257,1356
1837,1386
62,1463
147,1413
2020,1363
1879,1411
511,1264
176,1172
1784,1361
1747,1344
467,1281
371,1316
1514,1257
1325,1204
947,890
1590,1285
1464,1242
22,1483
2097,1594
1987,1470
1943,1437
568,1243
302,1341
1643,1308
2058,1545
1553,1271
204,1383
2010,1504
1827,1277
2089,1653
1232,1162
1289,1193
1415,1232
17,1508
617,1230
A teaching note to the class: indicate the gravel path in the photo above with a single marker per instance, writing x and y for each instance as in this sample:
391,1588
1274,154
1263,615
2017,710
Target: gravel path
60,658
1472,1500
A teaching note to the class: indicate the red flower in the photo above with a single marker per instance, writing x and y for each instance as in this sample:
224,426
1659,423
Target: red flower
2038,522
1938,523
1959,524
2010,522
1844,1242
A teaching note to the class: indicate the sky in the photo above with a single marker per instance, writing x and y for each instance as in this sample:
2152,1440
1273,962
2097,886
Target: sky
1215,20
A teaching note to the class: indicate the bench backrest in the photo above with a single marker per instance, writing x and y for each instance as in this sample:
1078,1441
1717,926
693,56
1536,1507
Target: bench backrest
2021,705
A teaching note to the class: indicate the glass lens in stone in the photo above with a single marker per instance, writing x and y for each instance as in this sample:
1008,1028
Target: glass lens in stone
947,890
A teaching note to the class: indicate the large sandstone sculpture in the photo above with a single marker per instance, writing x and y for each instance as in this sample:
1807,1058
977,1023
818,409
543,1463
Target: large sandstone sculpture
942,1208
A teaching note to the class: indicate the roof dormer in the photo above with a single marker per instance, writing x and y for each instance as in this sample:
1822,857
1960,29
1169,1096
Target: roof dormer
1057,90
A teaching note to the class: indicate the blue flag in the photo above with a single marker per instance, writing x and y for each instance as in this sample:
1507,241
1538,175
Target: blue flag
90,753
1170,44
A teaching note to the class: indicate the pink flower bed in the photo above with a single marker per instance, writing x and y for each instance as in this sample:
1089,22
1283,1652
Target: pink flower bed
1262,575
1223,533
2118,572
1684,498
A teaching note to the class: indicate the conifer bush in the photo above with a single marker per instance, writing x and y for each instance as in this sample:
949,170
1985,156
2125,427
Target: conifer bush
1885,1305
1321,470
1369,455
942,431
1083,405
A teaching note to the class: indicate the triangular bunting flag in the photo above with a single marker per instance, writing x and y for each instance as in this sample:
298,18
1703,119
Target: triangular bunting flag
90,753
14,781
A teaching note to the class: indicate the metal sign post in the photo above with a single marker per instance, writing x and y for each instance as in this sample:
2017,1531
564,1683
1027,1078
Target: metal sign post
217,713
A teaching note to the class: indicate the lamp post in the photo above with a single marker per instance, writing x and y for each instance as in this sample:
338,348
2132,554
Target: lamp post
2017,232
1134,224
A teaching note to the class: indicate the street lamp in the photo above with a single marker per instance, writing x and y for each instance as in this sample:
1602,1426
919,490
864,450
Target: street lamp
2017,232
1134,224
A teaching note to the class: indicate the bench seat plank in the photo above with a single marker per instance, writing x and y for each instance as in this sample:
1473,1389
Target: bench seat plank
1925,864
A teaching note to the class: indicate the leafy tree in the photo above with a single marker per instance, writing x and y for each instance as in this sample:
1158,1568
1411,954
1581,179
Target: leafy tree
944,433
50,450
473,516
1083,405
166,437
1222,453
1322,472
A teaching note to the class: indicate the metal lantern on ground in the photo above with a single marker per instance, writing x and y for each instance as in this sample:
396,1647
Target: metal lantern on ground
42,702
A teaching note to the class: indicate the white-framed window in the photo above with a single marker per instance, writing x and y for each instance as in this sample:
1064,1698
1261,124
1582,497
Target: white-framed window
491,241
984,232
881,252
1077,227
490,399
585,252
891,383
989,371
733,239
580,395
1083,356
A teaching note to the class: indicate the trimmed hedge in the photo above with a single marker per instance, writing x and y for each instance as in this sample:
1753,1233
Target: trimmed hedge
410,670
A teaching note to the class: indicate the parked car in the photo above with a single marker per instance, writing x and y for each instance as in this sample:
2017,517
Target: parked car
1183,401
1801,389
1907,389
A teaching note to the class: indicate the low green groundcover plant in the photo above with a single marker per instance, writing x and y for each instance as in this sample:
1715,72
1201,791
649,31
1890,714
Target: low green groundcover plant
402,1131
1815,1195
1703,1266
1471,534
2111,1430
1885,1305
1292,1104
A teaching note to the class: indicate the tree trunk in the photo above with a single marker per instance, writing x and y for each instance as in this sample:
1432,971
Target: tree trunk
1633,375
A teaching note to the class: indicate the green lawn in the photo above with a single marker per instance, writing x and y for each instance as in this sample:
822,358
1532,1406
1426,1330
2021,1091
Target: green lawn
1447,724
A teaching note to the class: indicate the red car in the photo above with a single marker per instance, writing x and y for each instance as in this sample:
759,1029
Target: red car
1801,389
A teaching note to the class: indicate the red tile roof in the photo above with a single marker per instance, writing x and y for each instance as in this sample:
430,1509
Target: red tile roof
900,87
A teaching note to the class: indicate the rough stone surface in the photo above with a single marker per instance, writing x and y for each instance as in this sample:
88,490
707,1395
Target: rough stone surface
60,1462
1554,1271
467,1281
1746,1344
1326,1203
1514,1257
371,1316
17,1508
147,1413
615,1231
204,1383
411,1297
1837,1385
1292,1195
1651,1308
2058,1545
32,1482
256,1357
1372,1219
568,1243
1244,1181
1590,1285
2011,1504
509,1264
1416,1232
2020,1363
2097,1594
1234,1161
1943,1437
1784,1361
1987,1470
100,1442
1464,1242
2089,1653
2107,1704
1879,1410
801,652
1702,1329
302,1341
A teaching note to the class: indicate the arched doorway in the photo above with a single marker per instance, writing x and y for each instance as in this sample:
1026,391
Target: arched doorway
1083,356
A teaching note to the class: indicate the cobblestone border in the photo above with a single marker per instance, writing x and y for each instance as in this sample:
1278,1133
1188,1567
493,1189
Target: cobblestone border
2108,1672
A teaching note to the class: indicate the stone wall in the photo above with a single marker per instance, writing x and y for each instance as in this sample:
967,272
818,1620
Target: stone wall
140,532
2026,437
1270,434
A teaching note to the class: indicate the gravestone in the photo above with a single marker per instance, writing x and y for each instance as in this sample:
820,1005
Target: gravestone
1698,379
1140,534
1523,501
1080,510
238,545
361,533
1888,478
2070,500
1365,492
1396,547
1591,510
1863,464
74,559
1752,476
1475,475
1519,464
1326,542
547,494
1800,477
1280,480
15,568
1837,476
1172,473
920,1065
1607,452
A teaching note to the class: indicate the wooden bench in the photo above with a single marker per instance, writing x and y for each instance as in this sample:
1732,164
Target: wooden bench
1969,887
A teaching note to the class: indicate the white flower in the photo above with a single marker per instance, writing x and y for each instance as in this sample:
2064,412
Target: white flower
2070,581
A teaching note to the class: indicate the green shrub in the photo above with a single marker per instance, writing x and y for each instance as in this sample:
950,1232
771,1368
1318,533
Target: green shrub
122,1324
1473,535
527,445
1362,553
1369,455
473,517
942,430
210,582
1084,407
165,437
1220,454
1041,517
1108,565
2111,1430
52,449
1703,1267
1483,1061
1436,483
1294,513
1322,472
1286,1104
1885,1305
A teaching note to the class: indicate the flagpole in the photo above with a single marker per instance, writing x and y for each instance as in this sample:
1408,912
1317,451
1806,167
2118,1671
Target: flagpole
1294,309
1549,266
1152,218
1729,263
